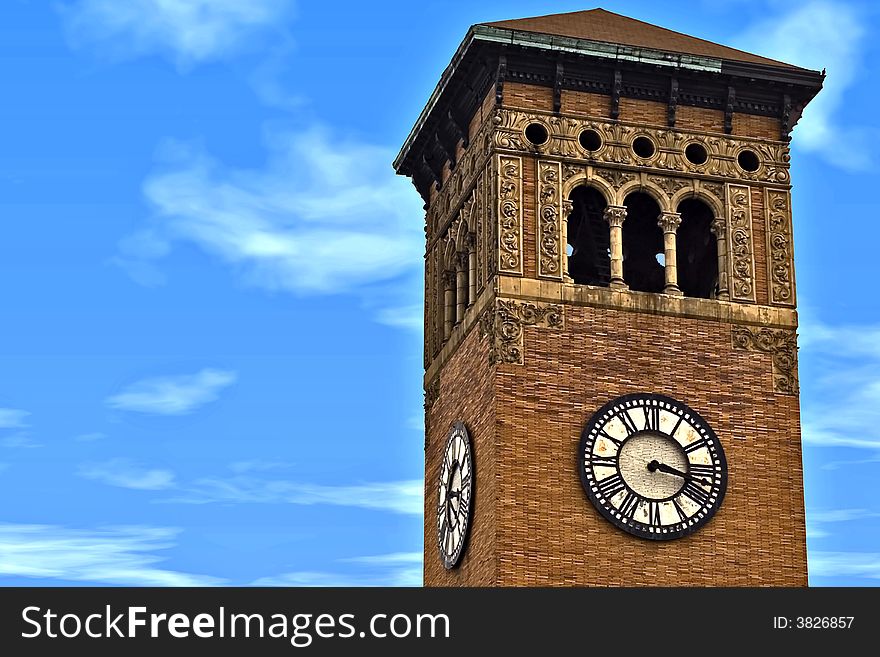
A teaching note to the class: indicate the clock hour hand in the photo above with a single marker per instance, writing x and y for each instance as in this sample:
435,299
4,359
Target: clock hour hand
655,465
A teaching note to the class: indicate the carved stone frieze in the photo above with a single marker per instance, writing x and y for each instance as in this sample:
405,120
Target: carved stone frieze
510,236
550,245
504,323
617,178
781,344
742,259
617,137
779,239
670,185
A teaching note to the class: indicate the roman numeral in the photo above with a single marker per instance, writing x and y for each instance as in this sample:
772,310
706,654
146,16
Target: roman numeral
604,434
681,514
629,505
697,444
654,514
677,425
701,471
602,461
652,418
628,422
695,492
611,486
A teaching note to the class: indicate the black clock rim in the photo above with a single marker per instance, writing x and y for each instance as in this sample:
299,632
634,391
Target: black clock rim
450,564
607,514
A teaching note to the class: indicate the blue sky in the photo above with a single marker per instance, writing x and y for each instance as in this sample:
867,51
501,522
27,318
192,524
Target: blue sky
210,364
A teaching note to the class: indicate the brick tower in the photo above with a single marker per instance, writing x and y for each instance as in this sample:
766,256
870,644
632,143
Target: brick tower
608,235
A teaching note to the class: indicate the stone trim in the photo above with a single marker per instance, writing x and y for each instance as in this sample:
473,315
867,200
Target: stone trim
550,231
504,323
510,229
742,253
780,259
781,344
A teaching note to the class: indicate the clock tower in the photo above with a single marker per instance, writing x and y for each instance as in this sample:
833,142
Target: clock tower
611,389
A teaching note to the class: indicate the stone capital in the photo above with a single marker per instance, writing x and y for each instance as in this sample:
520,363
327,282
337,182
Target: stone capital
719,227
669,221
615,215
449,279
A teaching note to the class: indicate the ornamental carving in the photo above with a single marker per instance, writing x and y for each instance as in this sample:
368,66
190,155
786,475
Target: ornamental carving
480,193
742,259
779,261
504,323
549,220
510,236
615,177
670,185
617,140
781,344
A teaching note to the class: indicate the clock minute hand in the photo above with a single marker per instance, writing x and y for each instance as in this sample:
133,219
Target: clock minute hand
653,466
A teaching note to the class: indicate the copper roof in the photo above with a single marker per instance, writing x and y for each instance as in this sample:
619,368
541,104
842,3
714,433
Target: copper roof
606,26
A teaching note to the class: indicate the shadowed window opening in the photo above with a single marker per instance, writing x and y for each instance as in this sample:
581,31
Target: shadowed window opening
697,250
642,242
590,140
589,262
643,147
536,133
696,154
748,161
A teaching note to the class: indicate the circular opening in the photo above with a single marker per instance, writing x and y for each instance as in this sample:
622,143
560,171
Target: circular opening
590,140
536,133
643,147
748,160
696,154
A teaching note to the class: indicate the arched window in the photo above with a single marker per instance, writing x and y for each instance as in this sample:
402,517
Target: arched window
643,264
589,260
697,250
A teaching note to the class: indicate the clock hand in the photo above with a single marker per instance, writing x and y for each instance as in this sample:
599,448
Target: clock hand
655,465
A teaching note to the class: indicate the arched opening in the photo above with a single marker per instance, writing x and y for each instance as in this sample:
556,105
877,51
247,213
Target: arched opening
697,250
643,244
589,260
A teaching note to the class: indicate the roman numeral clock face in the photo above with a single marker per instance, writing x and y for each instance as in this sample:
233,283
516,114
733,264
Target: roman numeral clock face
456,487
652,466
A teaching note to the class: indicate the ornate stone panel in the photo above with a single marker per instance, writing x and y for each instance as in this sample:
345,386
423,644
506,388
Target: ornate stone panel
742,254
780,259
781,344
510,235
550,246
669,146
504,323
480,221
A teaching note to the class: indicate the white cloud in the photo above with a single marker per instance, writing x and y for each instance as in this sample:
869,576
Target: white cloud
844,409
19,441
12,418
322,216
126,474
187,31
407,317
113,555
816,519
844,564
821,34
395,496
173,395
398,569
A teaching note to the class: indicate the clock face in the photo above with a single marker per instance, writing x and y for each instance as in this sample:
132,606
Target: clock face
652,466
456,487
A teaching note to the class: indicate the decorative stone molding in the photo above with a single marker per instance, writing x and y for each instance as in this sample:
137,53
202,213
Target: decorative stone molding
504,323
432,393
616,146
742,258
780,263
480,222
781,344
669,222
615,215
670,185
510,237
615,177
550,246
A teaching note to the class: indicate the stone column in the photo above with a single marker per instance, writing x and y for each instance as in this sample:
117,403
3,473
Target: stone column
719,230
669,223
471,243
461,285
448,302
615,215
567,207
